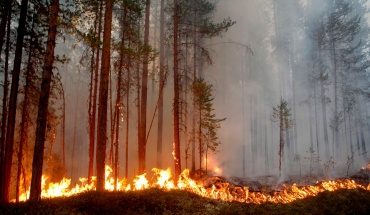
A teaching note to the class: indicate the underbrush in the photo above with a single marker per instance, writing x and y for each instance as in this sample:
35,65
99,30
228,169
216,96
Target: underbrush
156,201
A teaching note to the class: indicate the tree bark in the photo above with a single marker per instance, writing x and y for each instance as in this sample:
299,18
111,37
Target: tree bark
176,117
38,157
5,104
144,91
95,97
24,121
9,145
161,86
103,99
194,79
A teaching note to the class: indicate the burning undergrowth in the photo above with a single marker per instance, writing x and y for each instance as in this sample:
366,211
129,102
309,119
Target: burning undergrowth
245,190
198,193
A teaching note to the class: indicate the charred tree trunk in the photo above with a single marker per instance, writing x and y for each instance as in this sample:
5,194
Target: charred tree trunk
9,145
176,146
5,103
94,68
38,157
161,83
24,121
112,121
281,140
194,79
63,128
127,118
118,105
144,91
103,99
94,98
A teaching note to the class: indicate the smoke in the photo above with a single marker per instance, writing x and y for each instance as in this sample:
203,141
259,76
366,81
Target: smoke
247,85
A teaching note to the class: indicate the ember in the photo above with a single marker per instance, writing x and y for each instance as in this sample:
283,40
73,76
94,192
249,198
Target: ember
213,187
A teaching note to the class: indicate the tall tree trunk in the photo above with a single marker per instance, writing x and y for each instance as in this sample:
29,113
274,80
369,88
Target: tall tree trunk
336,139
95,98
322,95
194,79
161,86
38,156
316,121
176,117
200,143
118,105
103,99
155,17
75,128
63,128
24,121
281,143
144,91
5,104
127,117
9,145
112,116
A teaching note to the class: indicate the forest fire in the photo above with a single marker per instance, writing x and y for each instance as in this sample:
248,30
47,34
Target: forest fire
221,190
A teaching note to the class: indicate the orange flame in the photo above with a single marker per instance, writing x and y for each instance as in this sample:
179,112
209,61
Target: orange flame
221,192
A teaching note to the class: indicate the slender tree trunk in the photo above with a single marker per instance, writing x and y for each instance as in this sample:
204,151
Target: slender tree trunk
103,98
5,105
112,121
161,86
362,135
63,127
138,99
176,113
93,91
38,156
155,17
316,122
128,87
336,139
9,144
194,79
127,117
281,144
144,91
24,121
75,128
95,97
323,97
310,121
200,146
118,105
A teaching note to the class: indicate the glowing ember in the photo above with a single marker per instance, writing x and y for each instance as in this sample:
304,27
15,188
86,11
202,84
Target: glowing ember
222,191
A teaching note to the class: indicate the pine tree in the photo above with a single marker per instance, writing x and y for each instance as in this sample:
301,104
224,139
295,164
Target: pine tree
281,115
38,157
207,121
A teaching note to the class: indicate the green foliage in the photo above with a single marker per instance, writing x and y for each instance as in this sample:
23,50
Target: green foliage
281,114
207,120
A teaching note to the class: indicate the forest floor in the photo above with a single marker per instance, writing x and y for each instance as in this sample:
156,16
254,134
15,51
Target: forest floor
156,201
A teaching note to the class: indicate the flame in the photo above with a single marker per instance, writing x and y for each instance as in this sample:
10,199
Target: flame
222,191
